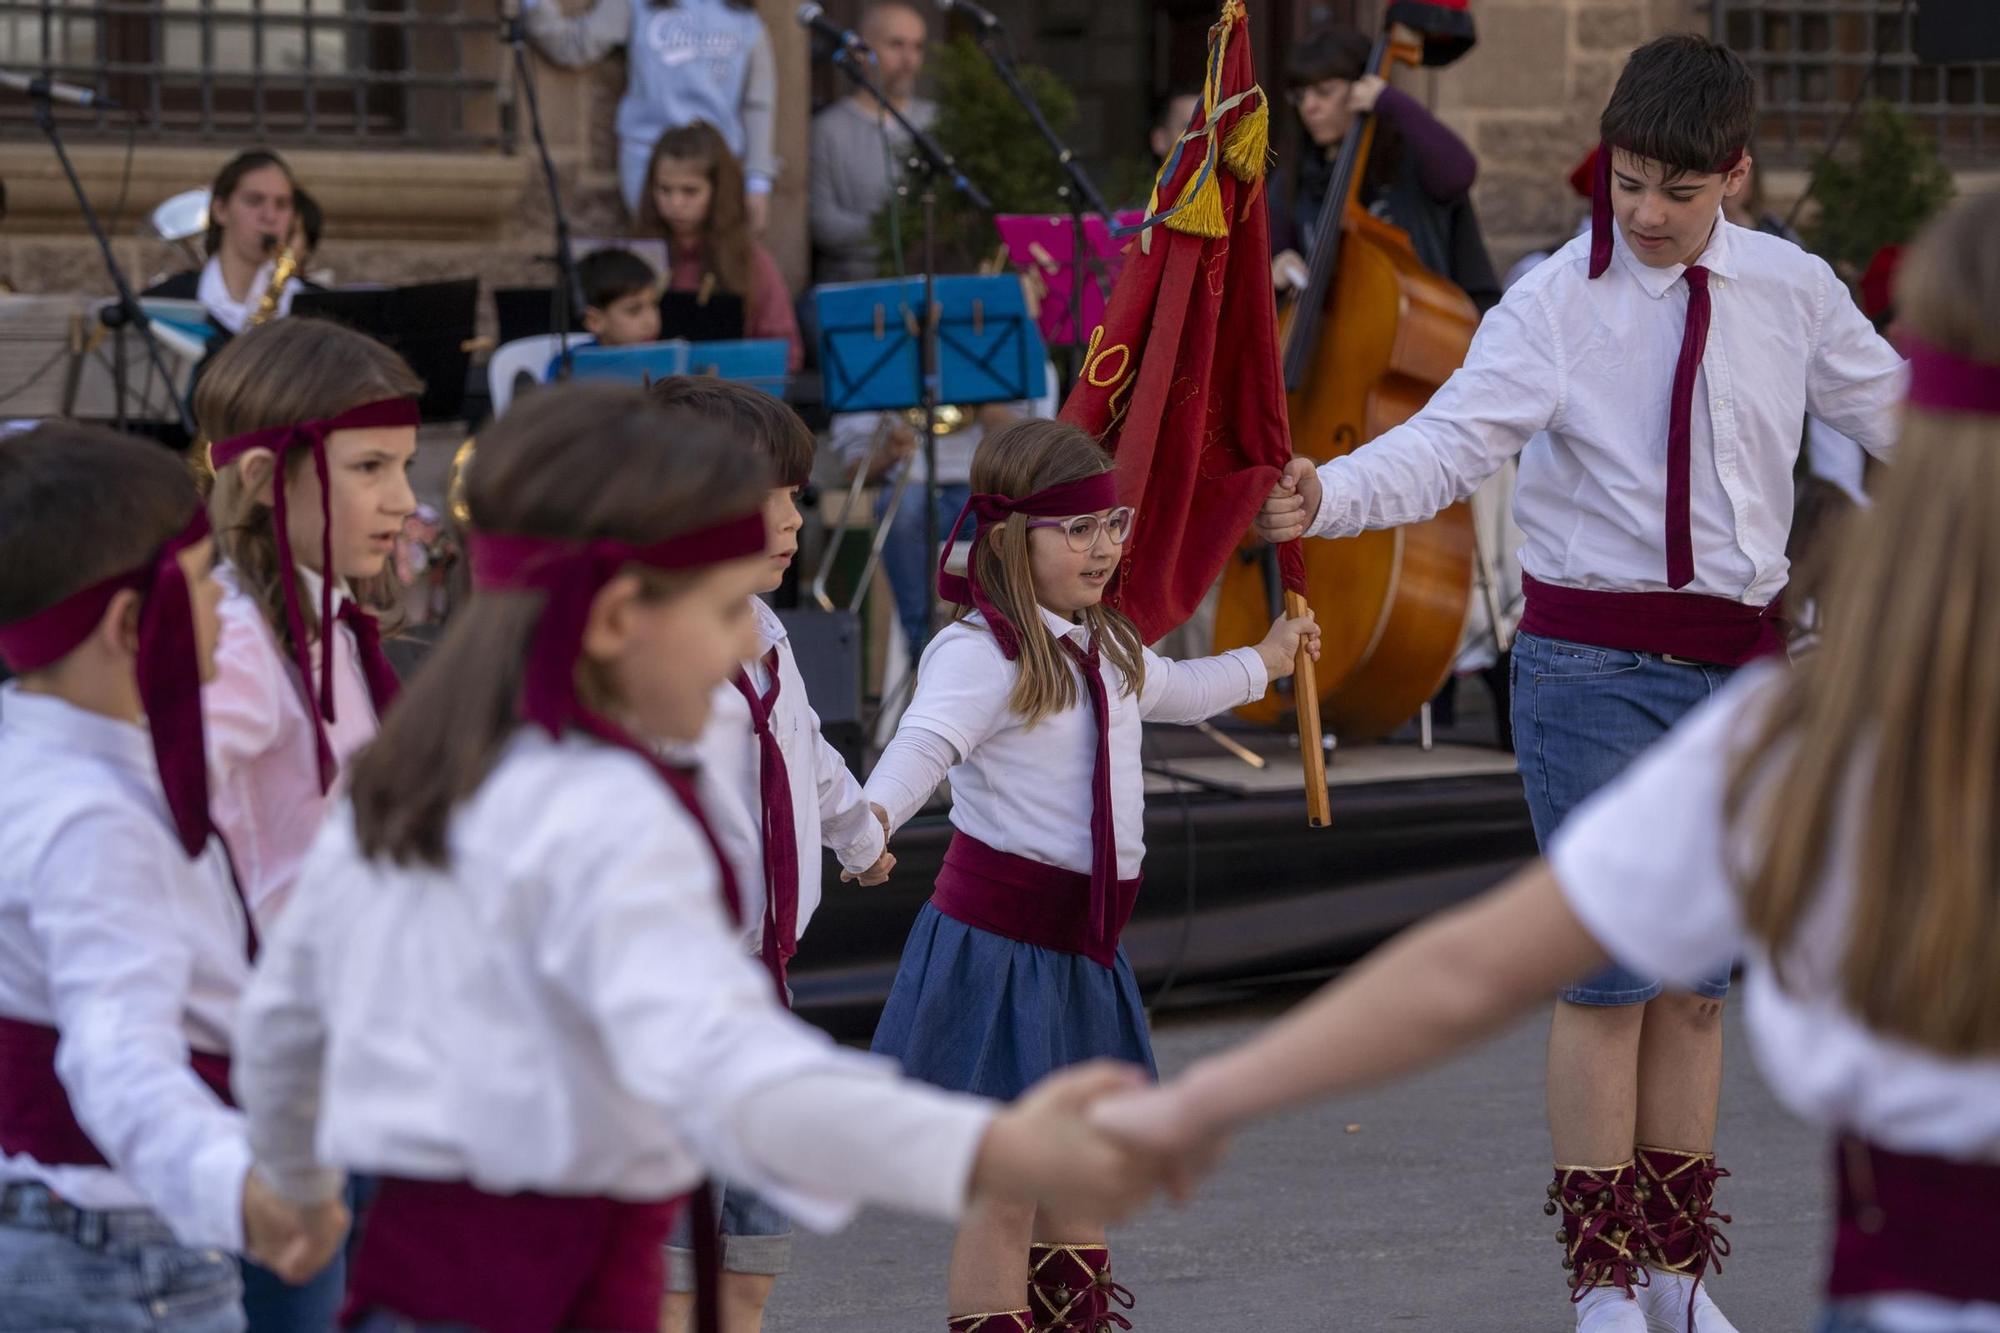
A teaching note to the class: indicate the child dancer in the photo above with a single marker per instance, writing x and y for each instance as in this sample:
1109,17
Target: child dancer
124,943
694,198
333,414
313,429
776,792
512,982
1667,361
1033,703
1834,823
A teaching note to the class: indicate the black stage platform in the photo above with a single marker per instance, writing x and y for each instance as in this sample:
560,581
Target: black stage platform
1237,885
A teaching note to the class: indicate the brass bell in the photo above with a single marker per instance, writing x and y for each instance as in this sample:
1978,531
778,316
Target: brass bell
1567,1265
1550,1207
1604,1198
1562,1237
1062,1297
1555,1188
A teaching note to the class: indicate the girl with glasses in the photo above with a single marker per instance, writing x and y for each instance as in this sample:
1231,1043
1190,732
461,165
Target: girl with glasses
1031,701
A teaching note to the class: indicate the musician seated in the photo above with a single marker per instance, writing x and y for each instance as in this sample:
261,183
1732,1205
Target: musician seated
621,302
723,283
252,209
1418,175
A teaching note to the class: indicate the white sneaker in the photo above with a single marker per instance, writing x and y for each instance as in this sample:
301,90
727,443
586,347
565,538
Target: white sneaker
1665,1301
1609,1310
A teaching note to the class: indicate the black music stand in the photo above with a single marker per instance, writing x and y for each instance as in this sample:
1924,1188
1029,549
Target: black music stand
429,325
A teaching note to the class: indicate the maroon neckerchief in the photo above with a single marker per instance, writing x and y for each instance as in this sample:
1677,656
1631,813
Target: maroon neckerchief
781,839
1085,496
1694,341
1103,830
168,668
279,441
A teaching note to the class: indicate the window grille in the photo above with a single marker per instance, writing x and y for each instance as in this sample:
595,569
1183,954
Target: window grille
366,73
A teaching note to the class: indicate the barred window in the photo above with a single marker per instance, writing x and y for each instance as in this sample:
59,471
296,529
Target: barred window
1811,57
384,73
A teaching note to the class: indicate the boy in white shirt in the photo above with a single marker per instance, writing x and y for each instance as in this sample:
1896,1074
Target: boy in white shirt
776,792
1662,366
125,1174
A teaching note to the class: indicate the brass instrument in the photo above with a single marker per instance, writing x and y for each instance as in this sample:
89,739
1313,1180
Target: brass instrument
284,266
454,491
946,419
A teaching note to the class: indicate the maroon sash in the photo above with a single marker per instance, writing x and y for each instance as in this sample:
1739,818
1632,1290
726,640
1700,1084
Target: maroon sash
1914,1224
35,1114
1679,624
444,1252
1029,901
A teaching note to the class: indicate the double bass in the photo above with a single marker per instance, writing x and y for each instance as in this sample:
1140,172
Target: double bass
1369,338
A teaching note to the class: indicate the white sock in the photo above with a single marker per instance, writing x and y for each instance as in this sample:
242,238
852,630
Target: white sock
1666,1304
1609,1310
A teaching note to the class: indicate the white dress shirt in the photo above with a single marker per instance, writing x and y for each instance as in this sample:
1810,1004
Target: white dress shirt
827,806
232,314
1591,363
263,756
110,934
1027,790
566,1010
1650,867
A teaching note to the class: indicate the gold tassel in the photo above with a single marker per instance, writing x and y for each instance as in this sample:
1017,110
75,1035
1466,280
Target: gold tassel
1248,148
1199,211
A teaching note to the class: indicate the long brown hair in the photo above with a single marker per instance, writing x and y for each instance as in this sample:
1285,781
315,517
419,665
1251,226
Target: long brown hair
1018,460
578,461
725,236
1897,715
280,374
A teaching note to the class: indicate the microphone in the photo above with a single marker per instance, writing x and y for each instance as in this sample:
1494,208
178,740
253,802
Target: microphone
981,16
814,18
40,85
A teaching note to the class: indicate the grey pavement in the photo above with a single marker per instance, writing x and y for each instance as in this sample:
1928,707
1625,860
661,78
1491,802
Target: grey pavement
1417,1206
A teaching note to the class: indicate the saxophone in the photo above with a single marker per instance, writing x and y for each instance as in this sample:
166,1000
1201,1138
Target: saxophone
284,266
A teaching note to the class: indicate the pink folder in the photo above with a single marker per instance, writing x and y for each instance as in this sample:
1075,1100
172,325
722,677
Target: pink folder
1045,244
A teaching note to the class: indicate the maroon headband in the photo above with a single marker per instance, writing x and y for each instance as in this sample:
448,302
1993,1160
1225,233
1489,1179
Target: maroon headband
1084,496
1943,381
168,669
1600,203
570,573
281,440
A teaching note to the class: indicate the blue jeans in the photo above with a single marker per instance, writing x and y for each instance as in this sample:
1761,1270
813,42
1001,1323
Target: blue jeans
910,564
1581,713
107,1272
756,1239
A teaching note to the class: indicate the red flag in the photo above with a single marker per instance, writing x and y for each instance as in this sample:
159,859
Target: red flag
1182,381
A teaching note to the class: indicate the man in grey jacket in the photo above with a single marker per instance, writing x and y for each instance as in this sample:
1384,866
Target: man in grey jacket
858,149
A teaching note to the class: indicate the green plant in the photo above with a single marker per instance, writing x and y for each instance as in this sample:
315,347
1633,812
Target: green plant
997,147
1880,192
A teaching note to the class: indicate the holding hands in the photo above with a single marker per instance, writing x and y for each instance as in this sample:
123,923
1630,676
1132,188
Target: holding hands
294,1242
1052,1149
1292,504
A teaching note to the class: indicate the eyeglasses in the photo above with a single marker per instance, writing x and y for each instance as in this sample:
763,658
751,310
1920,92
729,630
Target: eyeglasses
1081,531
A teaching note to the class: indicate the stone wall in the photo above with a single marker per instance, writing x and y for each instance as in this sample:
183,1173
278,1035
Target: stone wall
394,216
1527,100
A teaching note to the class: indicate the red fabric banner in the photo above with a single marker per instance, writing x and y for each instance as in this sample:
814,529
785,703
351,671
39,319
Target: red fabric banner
1182,381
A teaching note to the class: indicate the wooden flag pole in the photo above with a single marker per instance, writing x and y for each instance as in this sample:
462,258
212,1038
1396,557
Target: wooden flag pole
1312,753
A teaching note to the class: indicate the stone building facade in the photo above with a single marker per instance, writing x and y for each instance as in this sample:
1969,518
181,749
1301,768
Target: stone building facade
1526,99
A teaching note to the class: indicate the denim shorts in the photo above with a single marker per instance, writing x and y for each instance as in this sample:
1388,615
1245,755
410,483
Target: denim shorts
756,1239
1581,713
64,1268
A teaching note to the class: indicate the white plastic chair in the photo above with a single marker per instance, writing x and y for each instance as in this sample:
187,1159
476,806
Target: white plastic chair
524,356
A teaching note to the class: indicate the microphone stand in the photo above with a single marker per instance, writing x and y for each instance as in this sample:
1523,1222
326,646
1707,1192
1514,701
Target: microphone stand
129,311
563,300
1080,190
930,163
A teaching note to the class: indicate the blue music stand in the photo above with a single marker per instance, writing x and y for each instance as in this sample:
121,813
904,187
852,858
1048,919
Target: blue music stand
636,363
989,350
759,362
